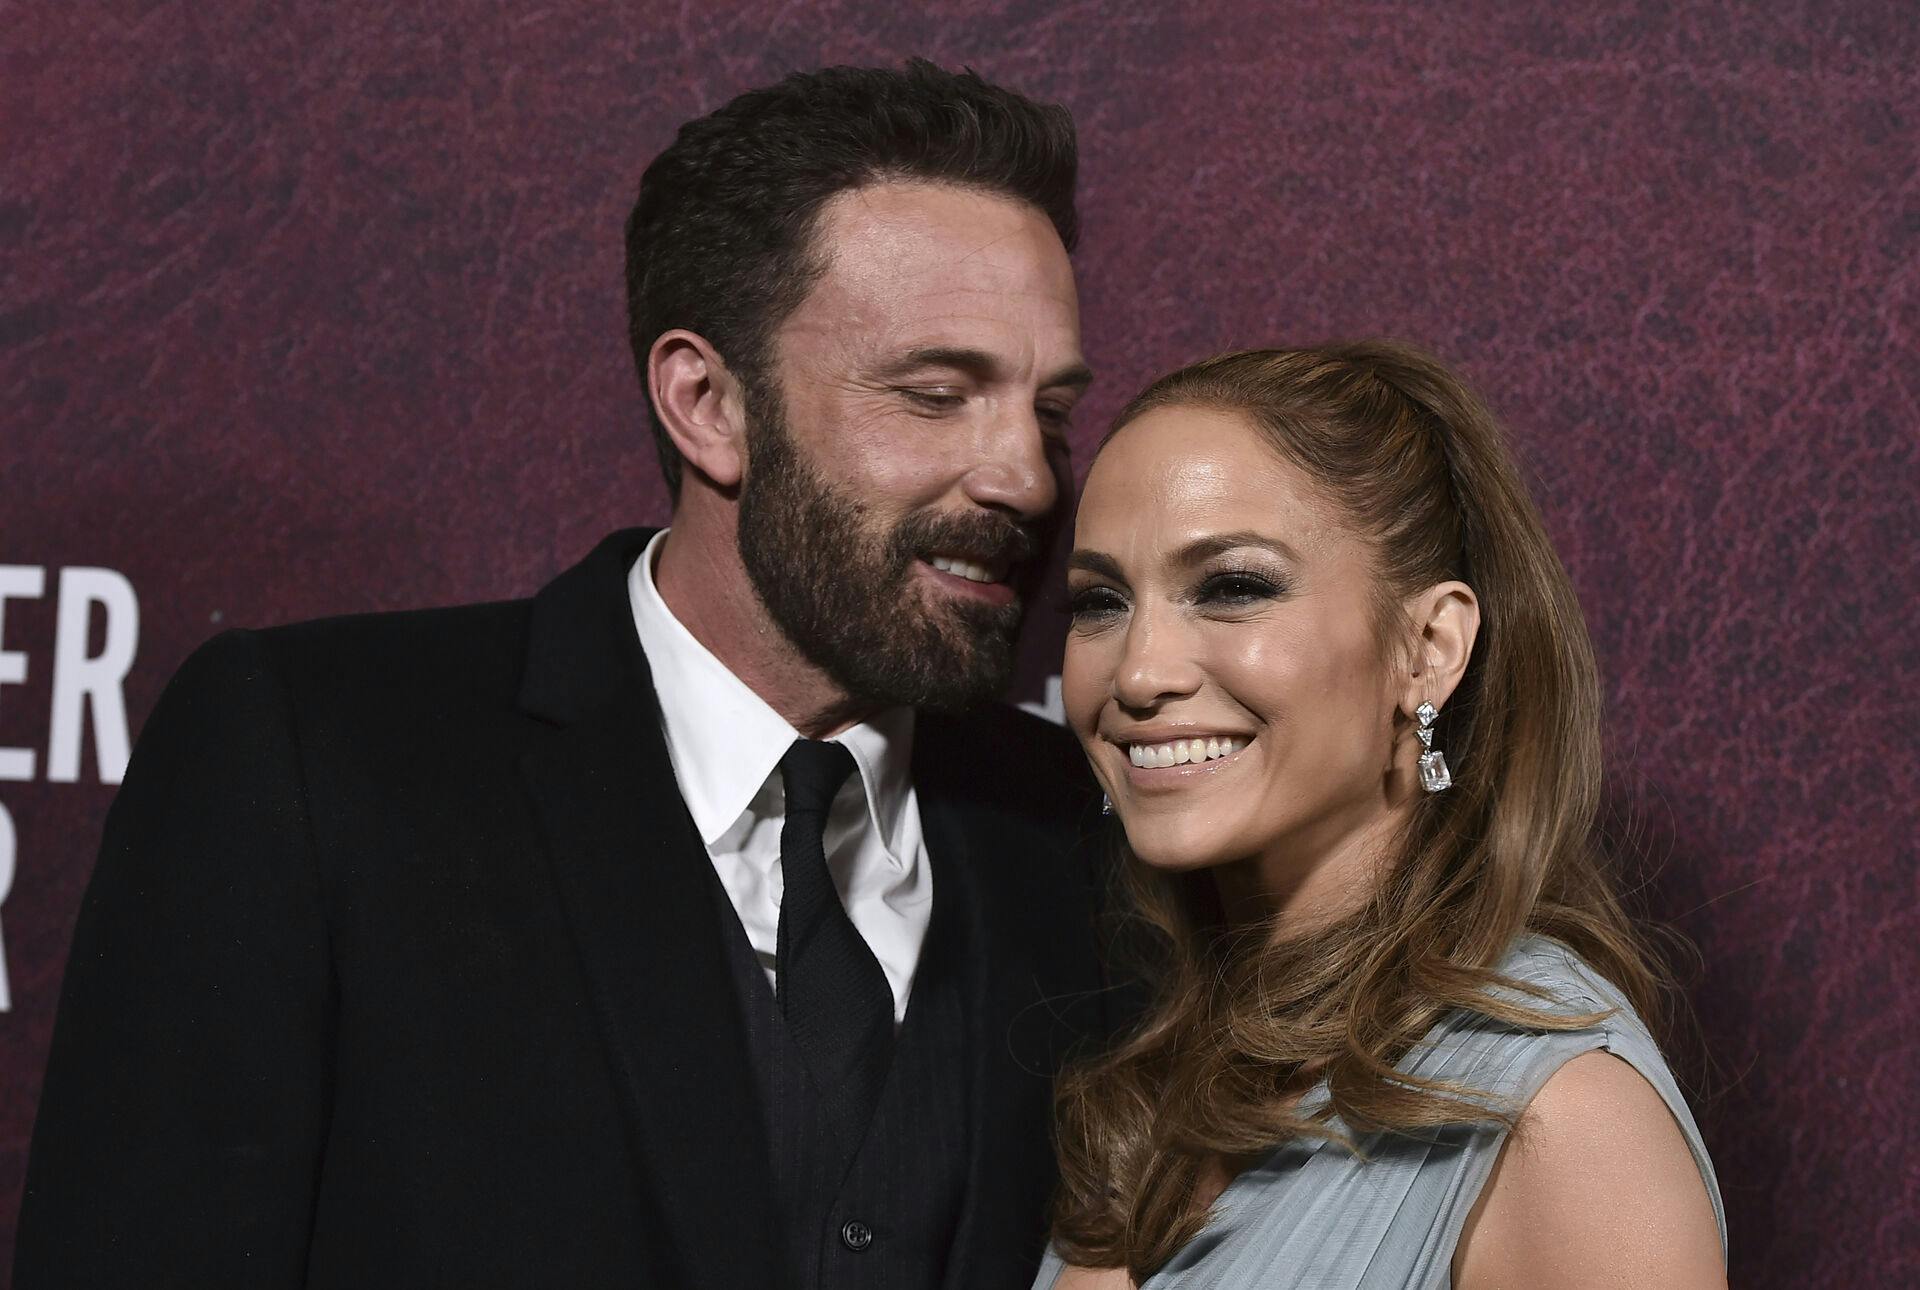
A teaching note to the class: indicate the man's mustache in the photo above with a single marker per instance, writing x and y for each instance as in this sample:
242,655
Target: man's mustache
981,537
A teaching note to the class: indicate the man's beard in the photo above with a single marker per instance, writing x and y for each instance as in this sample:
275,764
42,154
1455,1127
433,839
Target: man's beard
849,598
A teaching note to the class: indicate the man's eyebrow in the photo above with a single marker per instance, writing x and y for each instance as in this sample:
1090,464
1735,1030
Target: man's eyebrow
1097,562
1077,377
977,363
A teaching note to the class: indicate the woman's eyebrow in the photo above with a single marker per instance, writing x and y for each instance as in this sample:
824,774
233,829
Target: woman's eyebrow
1202,549
1098,562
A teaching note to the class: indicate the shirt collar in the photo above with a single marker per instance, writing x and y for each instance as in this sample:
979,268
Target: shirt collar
725,741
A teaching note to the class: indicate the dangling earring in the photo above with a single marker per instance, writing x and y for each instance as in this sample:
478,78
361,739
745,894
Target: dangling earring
1106,804
1434,776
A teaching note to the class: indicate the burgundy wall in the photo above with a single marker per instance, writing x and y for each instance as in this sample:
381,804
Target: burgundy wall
311,308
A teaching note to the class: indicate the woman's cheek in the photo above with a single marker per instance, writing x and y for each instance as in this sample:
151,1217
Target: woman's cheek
1083,685
1254,668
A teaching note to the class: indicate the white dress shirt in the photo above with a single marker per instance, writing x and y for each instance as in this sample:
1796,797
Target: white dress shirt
726,744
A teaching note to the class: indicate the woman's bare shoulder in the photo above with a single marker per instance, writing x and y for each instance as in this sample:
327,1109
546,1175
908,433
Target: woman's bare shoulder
1595,1187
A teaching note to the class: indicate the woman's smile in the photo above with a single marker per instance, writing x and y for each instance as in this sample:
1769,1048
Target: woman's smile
1150,759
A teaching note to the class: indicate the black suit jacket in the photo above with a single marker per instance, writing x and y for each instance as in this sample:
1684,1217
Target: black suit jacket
400,966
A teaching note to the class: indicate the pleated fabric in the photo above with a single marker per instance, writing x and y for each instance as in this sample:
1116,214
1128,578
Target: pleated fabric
1314,1214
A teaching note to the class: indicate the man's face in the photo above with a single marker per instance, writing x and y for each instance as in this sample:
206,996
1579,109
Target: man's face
909,462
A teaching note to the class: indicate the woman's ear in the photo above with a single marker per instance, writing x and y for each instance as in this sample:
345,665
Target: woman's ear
700,404
1446,619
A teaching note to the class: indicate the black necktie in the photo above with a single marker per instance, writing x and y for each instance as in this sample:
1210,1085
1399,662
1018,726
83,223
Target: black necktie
838,1006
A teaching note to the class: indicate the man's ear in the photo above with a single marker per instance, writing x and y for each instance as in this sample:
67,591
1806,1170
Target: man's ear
700,403
1446,619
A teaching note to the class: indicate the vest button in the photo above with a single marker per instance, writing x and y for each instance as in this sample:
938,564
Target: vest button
856,1235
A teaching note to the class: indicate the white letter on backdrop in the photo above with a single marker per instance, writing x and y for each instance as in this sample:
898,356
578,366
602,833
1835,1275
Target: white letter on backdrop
17,582
78,679
6,885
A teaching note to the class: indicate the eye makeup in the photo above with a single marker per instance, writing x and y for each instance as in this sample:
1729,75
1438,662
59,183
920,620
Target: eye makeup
1094,604
1238,588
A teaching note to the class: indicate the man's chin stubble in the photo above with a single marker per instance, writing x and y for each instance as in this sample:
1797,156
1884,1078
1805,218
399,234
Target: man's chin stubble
948,659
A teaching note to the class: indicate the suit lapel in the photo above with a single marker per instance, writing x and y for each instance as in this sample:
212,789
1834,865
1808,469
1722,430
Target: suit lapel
629,869
956,861
999,865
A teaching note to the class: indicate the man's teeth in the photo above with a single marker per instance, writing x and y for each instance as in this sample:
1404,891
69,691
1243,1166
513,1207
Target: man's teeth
967,569
1182,751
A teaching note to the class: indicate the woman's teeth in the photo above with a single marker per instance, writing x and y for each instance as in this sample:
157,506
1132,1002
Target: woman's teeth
967,569
1182,751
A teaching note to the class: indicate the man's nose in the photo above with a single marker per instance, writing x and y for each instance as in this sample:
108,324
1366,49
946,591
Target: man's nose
1018,471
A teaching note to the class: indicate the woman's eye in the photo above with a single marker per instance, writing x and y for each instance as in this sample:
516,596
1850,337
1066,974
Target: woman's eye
1237,589
1091,604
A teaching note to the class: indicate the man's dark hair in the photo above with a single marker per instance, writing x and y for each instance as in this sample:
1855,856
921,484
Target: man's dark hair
720,240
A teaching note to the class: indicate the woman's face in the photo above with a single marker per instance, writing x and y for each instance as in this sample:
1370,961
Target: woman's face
1222,670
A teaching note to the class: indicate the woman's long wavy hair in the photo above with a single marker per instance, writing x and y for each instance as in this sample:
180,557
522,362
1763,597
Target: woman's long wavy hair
1244,1019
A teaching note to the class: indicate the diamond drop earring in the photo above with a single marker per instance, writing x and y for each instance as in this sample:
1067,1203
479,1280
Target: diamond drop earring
1106,804
1434,776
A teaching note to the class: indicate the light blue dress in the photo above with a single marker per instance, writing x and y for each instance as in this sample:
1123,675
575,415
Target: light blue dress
1314,1215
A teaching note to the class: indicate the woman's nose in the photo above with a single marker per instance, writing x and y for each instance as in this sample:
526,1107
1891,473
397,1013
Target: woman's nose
1158,661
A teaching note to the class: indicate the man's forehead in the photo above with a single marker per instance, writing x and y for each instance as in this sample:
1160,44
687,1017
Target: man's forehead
905,235
924,267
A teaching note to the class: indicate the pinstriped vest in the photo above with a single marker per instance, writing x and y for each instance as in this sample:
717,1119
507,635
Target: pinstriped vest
880,1213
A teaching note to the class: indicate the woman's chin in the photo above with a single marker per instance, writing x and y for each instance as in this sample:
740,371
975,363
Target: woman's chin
1175,850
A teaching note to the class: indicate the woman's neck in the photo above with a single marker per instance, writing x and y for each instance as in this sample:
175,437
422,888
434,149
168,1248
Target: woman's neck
1303,883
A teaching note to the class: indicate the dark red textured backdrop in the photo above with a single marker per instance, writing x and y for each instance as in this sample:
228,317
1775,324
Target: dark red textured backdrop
315,308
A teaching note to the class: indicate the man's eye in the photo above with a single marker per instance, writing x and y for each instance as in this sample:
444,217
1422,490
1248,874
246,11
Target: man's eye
1091,604
1054,416
933,400
1237,589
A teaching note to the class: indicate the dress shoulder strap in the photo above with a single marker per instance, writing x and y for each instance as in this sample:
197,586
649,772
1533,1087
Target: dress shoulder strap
1507,1067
